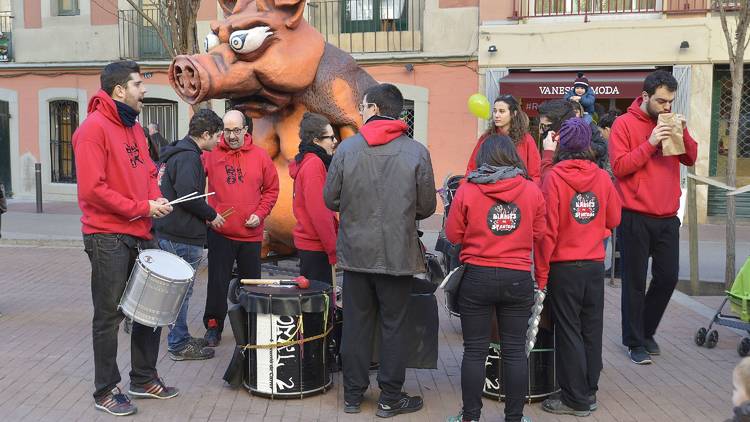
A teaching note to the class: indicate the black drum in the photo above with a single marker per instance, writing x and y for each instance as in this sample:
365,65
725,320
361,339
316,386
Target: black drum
542,375
276,315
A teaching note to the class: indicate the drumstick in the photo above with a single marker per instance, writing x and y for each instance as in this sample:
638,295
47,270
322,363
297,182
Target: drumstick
301,282
179,201
227,212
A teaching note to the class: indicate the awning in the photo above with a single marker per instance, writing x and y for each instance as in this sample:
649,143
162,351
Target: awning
549,85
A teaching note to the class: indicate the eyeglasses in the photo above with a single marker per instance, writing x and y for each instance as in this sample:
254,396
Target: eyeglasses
543,127
331,137
362,107
237,132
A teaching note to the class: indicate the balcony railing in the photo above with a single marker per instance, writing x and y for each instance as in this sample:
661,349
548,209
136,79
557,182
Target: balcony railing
548,8
369,26
138,38
6,39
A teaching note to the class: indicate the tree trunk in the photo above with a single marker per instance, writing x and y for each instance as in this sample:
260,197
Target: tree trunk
737,72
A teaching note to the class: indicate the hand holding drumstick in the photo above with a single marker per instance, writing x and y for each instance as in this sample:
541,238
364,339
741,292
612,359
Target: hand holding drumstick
252,221
159,208
221,218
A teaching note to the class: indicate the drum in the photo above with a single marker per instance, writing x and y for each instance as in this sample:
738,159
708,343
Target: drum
542,371
278,318
156,288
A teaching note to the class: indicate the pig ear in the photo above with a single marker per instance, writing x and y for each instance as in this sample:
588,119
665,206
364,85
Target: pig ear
227,6
297,9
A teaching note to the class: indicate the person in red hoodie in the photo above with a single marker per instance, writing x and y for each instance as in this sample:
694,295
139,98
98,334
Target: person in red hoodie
649,184
246,182
582,206
315,231
496,216
509,119
118,196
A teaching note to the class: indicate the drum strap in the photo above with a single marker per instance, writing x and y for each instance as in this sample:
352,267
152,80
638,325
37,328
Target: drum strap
300,331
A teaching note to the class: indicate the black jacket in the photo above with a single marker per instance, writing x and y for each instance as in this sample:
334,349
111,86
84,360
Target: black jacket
180,173
599,145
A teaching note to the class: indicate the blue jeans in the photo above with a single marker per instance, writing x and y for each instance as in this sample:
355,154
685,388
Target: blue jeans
179,335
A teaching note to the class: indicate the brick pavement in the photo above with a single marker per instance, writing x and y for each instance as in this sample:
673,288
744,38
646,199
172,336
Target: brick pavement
46,366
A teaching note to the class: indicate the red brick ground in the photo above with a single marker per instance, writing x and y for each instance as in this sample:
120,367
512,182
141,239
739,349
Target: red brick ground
46,366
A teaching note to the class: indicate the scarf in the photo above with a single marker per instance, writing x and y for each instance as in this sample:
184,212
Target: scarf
313,148
127,114
491,174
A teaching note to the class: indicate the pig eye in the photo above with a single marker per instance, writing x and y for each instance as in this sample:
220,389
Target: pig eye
211,41
249,40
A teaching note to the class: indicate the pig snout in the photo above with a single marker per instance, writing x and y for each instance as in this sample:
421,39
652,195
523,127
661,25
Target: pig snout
189,79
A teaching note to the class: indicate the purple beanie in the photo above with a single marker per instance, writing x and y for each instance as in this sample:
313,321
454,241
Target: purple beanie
575,135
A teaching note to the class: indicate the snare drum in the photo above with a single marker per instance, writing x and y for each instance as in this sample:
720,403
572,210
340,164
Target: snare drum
276,315
156,288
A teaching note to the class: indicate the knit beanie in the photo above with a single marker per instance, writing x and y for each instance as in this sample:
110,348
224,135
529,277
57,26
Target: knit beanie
581,81
575,135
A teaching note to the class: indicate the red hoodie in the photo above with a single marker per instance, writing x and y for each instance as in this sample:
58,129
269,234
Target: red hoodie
316,226
116,177
648,182
582,206
380,131
497,223
526,149
244,179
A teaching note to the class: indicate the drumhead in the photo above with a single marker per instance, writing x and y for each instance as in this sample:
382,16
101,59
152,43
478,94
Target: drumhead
165,264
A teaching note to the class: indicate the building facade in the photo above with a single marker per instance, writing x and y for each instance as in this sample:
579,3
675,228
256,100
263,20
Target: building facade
56,49
533,50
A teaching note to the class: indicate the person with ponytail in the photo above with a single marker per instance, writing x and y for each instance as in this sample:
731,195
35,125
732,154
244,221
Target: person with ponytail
582,206
316,228
508,119
497,215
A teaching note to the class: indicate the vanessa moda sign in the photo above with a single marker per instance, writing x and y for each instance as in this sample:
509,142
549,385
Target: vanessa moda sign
559,91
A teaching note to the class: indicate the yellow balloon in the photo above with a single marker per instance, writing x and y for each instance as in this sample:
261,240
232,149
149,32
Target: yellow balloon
479,106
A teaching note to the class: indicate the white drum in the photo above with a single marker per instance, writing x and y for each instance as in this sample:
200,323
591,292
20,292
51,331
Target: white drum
156,288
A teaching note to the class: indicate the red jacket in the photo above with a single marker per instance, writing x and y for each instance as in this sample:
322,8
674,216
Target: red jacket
648,182
526,149
497,223
582,206
244,179
116,177
316,226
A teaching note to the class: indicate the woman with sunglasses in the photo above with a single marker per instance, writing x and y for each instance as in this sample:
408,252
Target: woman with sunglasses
497,215
508,119
315,231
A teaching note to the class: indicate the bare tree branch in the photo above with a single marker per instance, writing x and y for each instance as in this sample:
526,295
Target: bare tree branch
724,27
157,28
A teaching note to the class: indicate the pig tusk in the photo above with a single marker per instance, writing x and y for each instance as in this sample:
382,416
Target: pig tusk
249,40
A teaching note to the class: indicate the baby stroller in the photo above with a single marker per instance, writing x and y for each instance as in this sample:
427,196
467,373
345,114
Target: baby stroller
446,248
739,299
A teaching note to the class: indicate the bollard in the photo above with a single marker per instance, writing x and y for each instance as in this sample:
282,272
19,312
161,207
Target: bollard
38,175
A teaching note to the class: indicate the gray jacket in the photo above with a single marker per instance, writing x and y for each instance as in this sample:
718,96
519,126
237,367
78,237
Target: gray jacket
380,192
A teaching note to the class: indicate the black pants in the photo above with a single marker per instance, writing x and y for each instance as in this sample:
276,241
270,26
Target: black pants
314,265
222,253
577,297
511,293
371,298
112,258
644,237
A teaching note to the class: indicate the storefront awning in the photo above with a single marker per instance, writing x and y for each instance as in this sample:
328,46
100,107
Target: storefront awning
549,85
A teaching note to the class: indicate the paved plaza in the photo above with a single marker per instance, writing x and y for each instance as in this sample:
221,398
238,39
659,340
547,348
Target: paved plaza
46,362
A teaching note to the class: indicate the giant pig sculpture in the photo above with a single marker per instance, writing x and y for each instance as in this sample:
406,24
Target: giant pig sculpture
273,66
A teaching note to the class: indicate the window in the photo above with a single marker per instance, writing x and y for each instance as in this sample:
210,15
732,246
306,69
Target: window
164,114
67,8
63,121
375,15
407,115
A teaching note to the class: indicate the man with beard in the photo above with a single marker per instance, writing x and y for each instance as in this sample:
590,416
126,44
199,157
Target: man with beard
649,184
118,196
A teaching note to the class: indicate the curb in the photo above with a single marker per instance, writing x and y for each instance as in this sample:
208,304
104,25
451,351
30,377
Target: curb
50,243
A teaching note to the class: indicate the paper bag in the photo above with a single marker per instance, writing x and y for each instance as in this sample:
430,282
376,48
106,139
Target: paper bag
674,145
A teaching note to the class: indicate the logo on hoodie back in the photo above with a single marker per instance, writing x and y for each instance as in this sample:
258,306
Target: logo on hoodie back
584,207
503,218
